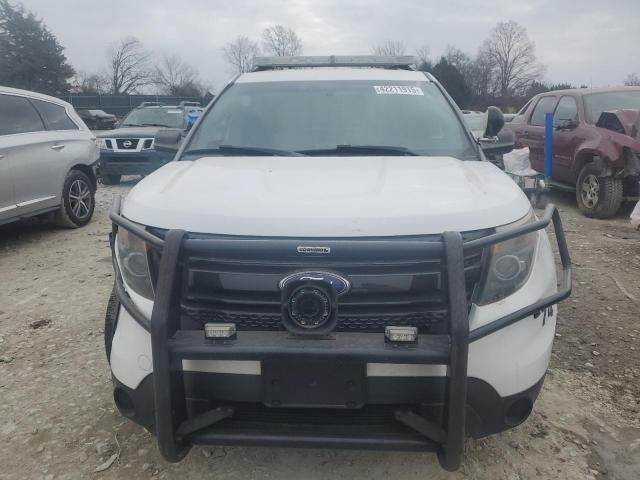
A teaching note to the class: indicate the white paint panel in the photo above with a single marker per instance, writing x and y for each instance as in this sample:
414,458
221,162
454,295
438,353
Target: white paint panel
355,196
130,342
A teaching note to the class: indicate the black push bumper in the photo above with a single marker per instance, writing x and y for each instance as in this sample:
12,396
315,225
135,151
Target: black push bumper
132,163
177,426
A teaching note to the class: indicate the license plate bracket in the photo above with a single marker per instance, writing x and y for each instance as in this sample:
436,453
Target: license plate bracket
313,383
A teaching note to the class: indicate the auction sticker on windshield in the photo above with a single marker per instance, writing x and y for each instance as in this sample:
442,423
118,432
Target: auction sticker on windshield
397,90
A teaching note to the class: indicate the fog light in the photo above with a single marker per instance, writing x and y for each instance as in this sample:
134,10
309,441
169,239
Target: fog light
219,330
401,334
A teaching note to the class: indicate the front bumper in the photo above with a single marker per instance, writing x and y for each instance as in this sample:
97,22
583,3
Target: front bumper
131,163
372,427
179,421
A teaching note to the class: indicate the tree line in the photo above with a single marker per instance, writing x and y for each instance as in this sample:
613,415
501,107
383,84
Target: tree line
505,71
31,58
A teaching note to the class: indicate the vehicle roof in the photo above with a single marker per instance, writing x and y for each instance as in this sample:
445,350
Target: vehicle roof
588,91
332,73
38,96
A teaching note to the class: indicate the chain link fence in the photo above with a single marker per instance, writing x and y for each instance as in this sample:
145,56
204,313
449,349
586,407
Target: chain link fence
120,105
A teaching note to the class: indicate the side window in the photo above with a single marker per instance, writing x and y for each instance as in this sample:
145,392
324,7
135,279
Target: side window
567,109
17,115
55,116
525,108
545,105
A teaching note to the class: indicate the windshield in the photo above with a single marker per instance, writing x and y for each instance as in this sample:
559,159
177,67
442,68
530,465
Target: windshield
308,116
597,103
156,117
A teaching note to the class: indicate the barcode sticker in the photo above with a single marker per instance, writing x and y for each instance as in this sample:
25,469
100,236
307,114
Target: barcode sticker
397,90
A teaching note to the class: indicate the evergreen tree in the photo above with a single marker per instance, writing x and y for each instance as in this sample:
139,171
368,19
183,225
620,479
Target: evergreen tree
30,56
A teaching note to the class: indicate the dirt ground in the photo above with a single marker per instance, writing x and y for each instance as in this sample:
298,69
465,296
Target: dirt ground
57,418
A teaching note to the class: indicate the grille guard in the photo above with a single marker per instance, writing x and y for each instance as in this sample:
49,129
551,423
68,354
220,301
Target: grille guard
169,344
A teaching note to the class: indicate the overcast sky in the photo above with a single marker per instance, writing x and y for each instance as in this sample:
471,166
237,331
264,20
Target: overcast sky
587,41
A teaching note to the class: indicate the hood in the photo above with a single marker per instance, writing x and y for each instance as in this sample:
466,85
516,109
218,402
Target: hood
133,132
626,122
326,196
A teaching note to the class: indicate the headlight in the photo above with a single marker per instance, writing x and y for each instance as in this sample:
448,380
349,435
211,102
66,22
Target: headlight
134,265
102,143
509,264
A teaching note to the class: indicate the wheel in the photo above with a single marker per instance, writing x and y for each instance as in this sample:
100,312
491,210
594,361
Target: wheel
598,197
110,322
78,201
110,179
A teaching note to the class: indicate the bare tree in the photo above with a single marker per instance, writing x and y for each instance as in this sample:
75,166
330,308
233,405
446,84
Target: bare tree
240,54
128,66
481,75
281,41
632,80
456,57
390,47
84,83
513,56
422,57
175,77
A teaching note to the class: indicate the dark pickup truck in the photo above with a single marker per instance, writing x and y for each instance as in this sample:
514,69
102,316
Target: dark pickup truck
130,148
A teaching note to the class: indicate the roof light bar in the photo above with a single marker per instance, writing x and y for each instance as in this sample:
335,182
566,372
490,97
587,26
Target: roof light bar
271,63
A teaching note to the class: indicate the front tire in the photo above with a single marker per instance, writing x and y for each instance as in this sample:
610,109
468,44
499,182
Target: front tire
598,197
78,201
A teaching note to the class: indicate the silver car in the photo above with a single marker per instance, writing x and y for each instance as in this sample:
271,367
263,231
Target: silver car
47,159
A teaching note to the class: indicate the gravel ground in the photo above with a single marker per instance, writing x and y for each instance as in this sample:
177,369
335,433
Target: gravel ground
57,419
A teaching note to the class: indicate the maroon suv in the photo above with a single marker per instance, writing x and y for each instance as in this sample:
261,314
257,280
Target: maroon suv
596,143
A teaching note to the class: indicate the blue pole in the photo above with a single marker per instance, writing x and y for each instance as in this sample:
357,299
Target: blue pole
548,144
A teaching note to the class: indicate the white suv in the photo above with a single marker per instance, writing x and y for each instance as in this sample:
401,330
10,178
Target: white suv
48,158
331,261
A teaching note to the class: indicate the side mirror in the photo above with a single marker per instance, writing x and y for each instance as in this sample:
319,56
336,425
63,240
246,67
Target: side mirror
495,122
498,145
168,140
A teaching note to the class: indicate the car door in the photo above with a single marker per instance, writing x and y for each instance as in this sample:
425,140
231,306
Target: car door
565,138
44,178
534,130
22,137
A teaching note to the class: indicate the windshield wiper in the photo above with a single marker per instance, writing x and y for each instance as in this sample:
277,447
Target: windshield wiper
231,150
363,149
156,125
130,125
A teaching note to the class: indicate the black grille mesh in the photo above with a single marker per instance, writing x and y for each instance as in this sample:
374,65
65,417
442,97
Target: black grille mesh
346,323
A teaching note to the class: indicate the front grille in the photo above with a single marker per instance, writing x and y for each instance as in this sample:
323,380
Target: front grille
392,286
346,323
127,143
